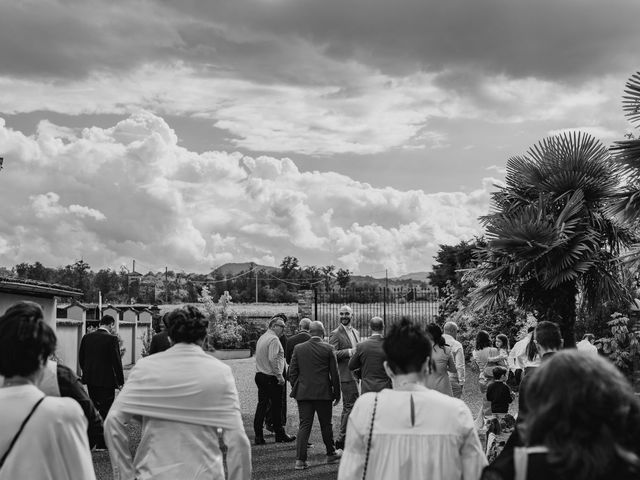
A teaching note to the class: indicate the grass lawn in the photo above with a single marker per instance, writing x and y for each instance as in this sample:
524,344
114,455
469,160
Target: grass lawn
276,460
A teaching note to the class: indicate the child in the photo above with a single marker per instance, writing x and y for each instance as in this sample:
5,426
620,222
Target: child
498,393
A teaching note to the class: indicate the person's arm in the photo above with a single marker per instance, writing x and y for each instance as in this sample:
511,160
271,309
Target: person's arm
238,454
117,439
293,369
334,339
451,366
355,362
335,377
153,346
116,360
353,457
460,364
471,454
276,359
71,440
70,386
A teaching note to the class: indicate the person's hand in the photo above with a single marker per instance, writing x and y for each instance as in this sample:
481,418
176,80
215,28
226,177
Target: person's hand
336,402
280,381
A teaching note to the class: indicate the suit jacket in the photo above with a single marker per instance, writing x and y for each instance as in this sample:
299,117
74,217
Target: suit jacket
314,371
100,360
341,342
159,343
294,340
369,358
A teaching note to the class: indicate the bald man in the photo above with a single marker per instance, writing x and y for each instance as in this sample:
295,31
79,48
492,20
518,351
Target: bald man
369,358
344,339
315,384
457,350
302,336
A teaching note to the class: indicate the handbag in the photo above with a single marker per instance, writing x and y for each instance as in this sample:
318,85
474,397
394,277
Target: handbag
366,456
17,435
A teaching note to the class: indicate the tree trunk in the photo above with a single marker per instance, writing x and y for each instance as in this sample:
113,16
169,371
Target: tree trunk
559,306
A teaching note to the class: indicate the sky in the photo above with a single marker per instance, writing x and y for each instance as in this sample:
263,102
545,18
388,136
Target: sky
356,133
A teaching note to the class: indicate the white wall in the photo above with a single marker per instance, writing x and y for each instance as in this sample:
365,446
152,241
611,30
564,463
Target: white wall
48,305
127,333
69,333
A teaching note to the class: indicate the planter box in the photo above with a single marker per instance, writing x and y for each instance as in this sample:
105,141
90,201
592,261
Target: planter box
231,354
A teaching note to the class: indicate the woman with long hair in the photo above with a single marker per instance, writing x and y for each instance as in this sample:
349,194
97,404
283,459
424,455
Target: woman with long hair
412,431
582,423
485,358
442,360
40,437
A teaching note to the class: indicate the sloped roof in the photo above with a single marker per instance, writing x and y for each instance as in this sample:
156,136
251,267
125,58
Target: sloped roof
37,288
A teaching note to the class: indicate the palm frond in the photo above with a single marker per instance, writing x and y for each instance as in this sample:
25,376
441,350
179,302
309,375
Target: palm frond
631,98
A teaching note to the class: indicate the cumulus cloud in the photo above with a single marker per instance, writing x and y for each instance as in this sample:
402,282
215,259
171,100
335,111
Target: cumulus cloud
130,191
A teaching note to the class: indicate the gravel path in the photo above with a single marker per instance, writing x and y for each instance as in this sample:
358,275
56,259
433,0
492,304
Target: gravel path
275,461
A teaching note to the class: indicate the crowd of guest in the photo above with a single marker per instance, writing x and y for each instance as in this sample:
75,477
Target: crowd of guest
402,415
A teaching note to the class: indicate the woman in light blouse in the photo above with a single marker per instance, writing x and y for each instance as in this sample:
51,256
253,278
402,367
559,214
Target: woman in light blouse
410,432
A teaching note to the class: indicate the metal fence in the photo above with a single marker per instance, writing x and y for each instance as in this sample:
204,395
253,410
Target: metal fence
390,303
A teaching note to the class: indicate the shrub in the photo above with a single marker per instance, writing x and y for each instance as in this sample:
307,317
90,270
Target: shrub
224,331
622,346
146,336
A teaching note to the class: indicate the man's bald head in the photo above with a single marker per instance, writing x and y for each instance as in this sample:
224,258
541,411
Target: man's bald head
304,324
376,324
316,329
451,328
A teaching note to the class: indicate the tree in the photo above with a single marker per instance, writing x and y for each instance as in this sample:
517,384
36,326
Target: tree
343,277
452,260
549,236
329,276
626,205
288,265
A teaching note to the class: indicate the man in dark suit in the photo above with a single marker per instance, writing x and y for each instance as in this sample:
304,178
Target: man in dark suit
302,336
101,364
344,339
315,384
160,341
369,359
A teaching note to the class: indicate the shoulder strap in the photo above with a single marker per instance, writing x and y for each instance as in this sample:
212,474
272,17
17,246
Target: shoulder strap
17,435
366,457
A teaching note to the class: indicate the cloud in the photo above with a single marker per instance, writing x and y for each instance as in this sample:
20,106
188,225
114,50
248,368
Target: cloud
320,78
130,191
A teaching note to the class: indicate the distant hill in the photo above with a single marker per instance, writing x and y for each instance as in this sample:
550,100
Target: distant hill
417,276
235,268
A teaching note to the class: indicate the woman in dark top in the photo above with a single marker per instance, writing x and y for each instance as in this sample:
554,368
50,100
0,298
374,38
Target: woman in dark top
583,423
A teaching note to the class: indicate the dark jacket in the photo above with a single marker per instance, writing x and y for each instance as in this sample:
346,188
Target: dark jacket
100,361
159,343
368,359
70,386
314,371
294,340
341,342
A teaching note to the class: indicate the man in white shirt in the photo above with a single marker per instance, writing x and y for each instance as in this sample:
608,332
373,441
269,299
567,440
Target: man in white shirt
344,339
270,381
457,378
586,344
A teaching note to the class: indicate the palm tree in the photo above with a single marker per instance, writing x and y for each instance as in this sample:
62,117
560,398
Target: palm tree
549,237
627,152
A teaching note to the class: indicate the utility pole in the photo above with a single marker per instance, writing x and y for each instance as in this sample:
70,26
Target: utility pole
254,267
166,284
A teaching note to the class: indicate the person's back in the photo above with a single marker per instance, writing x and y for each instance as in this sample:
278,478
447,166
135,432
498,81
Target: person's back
439,377
192,445
185,398
369,359
45,448
417,433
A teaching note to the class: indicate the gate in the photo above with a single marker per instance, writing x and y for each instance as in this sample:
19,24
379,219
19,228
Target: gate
390,303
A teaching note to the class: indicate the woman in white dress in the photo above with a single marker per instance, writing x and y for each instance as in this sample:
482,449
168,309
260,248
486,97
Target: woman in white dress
41,437
410,432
